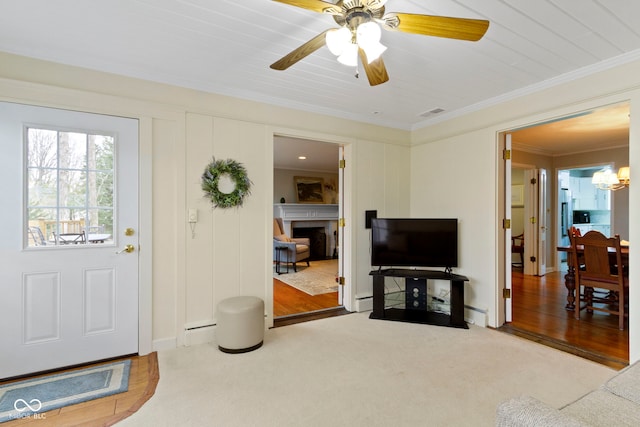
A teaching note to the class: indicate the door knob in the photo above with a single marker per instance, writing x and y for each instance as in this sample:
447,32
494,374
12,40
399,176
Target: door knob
128,249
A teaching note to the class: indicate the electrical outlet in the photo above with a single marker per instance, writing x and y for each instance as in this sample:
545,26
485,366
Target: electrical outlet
193,215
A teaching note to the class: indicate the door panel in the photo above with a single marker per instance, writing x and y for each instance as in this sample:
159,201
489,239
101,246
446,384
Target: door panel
542,222
66,300
507,234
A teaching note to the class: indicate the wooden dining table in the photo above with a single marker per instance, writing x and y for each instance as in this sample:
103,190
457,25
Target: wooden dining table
570,277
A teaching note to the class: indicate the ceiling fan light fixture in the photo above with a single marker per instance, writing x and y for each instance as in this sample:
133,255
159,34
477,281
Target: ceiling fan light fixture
374,51
338,40
349,55
368,37
367,33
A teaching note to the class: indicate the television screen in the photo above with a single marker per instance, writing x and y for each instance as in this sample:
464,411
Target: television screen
414,242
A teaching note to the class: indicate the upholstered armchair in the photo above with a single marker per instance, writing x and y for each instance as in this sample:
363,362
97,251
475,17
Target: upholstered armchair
297,249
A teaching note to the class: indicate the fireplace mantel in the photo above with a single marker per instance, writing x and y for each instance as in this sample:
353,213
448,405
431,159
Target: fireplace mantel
305,212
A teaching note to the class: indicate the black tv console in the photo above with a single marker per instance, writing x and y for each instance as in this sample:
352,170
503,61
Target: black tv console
420,315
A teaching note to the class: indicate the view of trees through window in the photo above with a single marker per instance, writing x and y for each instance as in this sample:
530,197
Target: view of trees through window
69,187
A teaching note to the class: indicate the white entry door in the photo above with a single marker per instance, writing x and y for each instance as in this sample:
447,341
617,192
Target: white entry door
69,194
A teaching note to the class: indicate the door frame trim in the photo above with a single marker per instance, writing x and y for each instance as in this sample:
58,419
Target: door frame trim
145,226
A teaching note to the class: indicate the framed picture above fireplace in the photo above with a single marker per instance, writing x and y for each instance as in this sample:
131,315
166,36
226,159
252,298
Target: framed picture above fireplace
309,189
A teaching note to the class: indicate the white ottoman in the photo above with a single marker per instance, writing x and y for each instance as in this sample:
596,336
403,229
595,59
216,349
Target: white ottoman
240,326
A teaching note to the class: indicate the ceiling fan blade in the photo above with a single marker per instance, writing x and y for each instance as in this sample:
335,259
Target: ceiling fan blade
376,71
301,52
315,5
438,26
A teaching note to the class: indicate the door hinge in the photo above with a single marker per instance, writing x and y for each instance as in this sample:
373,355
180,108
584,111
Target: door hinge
340,280
532,259
342,222
532,220
342,163
506,293
533,181
506,154
506,224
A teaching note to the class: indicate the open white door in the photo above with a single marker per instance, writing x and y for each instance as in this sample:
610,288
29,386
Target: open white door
340,229
541,256
535,227
70,193
507,235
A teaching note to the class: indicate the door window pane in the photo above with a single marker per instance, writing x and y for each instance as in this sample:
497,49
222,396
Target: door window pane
69,187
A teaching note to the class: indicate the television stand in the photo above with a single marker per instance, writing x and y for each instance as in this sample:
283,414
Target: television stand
420,315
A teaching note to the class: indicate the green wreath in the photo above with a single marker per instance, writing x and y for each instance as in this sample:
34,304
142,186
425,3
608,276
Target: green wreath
211,179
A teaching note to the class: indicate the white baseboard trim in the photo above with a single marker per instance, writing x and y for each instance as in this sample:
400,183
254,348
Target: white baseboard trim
164,344
364,304
199,336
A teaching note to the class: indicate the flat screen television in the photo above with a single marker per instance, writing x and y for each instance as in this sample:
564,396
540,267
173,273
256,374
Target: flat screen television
414,242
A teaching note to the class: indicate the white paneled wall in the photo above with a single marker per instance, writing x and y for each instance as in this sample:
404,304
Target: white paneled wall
383,184
225,257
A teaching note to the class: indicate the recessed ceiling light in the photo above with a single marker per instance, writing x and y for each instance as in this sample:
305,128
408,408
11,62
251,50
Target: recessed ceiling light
302,157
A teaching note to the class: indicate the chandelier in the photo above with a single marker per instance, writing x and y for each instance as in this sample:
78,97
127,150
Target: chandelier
606,179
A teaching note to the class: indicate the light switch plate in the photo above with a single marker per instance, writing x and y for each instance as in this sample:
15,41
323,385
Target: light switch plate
193,215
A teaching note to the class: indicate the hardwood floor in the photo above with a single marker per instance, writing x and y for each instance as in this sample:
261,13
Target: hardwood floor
291,305
539,314
288,300
105,411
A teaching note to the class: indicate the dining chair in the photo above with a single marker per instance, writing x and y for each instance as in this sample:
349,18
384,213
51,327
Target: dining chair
601,265
517,247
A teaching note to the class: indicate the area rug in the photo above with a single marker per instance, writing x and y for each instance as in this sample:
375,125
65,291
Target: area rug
31,397
319,278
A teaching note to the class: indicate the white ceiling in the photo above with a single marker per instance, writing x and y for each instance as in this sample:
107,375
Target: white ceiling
226,47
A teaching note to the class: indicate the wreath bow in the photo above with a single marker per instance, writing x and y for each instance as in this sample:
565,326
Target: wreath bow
211,181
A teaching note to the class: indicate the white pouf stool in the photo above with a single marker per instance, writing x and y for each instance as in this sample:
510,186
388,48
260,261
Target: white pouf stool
240,326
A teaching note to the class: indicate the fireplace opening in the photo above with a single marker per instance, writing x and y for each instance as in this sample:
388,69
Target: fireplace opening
317,241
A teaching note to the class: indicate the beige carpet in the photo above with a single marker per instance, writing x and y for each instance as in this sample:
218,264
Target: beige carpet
354,371
318,278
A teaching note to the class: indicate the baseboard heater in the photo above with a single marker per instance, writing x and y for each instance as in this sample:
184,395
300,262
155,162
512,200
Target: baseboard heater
193,328
476,316
364,304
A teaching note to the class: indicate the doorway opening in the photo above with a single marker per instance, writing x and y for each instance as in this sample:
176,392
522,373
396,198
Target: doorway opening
582,205
308,191
574,147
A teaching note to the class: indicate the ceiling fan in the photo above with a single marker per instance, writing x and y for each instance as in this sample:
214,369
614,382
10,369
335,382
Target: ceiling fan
359,33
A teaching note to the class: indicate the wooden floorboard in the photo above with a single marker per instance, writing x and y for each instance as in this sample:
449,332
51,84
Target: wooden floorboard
288,300
539,314
105,411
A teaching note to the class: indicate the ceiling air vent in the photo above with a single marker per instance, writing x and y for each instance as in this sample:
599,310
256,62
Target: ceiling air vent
432,112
